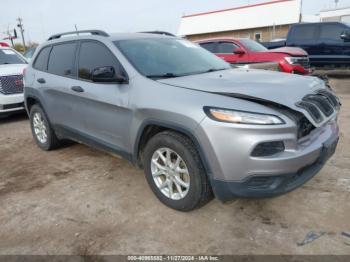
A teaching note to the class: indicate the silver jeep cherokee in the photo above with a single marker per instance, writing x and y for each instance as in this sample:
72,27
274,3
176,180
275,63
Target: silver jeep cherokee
196,126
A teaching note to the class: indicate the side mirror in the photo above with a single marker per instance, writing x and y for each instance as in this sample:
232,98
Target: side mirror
239,51
345,35
107,74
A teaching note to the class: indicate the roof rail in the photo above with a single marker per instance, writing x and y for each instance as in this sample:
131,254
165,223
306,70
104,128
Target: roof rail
159,33
92,32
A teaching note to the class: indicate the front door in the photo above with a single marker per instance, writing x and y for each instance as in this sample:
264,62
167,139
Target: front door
226,50
335,51
101,108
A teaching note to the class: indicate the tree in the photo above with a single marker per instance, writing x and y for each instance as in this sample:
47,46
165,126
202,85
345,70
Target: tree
19,47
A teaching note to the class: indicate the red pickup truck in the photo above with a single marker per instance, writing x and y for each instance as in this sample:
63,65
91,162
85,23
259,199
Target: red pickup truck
246,51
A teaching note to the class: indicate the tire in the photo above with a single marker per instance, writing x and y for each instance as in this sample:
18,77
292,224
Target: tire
195,190
51,142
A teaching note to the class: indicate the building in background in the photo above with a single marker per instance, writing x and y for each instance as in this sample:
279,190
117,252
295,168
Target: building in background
336,15
261,22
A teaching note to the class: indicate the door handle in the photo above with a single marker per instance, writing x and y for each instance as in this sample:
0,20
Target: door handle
78,89
41,80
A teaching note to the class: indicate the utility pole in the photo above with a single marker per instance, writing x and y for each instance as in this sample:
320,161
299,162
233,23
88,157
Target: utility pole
336,3
20,26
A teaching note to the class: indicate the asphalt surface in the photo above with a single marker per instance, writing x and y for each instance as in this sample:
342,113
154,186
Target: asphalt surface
79,200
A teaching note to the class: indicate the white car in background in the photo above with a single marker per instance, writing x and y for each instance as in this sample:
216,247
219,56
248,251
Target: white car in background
12,65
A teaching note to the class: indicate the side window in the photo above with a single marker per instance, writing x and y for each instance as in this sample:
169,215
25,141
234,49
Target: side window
304,32
93,55
331,31
61,61
209,46
226,48
42,59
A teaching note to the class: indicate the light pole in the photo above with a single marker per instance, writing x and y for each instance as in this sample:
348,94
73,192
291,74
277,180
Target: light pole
20,26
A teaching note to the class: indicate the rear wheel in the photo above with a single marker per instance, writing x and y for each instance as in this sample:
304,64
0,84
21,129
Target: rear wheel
42,131
175,172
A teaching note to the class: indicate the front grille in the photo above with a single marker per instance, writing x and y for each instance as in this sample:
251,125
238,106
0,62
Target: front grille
312,110
321,104
304,62
11,84
331,98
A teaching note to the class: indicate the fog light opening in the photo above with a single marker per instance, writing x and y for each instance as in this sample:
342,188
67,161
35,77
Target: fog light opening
268,149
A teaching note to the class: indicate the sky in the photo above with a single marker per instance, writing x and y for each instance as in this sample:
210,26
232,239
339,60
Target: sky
42,18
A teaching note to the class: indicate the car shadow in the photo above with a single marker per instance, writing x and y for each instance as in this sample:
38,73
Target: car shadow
6,119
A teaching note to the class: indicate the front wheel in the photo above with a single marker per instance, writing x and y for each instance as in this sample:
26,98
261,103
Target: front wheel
175,172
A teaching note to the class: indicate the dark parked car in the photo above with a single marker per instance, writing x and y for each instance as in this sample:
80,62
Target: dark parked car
327,43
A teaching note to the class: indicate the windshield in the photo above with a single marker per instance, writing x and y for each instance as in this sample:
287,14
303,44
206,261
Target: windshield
169,57
253,45
8,56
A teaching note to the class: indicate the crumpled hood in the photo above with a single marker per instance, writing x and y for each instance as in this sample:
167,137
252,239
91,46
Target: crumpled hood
292,51
280,88
12,69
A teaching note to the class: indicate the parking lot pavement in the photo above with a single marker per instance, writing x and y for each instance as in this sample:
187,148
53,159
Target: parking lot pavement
78,200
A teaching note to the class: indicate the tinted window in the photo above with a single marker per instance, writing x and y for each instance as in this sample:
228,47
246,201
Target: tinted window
331,32
209,46
42,58
253,45
226,48
8,56
169,57
93,55
305,32
61,61
29,53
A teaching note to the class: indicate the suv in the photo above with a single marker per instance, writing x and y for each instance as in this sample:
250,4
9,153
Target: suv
246,51
12,65
193,123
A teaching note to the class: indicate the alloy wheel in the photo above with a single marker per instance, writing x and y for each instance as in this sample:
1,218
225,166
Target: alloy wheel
170,173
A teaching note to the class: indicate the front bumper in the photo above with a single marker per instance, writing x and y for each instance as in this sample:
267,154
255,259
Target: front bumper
11,103
271,186
234,172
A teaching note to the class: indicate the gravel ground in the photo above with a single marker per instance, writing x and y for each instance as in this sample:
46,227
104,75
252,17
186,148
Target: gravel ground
78,200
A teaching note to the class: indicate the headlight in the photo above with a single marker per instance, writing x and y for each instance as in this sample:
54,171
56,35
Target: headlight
241,117
292,60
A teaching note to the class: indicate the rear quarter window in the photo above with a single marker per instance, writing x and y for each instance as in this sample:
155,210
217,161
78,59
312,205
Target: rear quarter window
42,59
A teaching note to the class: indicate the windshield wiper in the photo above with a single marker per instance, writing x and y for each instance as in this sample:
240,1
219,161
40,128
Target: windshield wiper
166,75
215,69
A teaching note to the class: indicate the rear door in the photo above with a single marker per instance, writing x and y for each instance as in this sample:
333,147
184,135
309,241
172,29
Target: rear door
55,77
101,109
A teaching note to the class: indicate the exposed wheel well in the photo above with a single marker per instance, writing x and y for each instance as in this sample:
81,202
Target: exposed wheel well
147,133
30,102
151,130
